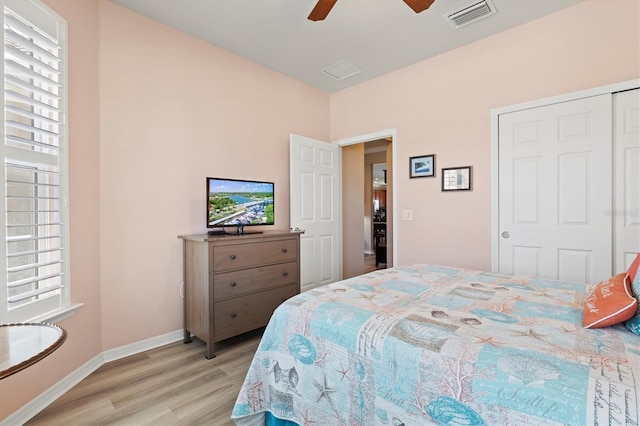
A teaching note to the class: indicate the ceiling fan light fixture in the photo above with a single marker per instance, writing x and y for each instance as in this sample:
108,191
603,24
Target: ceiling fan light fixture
341,70
470,13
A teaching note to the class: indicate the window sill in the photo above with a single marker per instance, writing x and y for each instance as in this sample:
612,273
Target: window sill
58,314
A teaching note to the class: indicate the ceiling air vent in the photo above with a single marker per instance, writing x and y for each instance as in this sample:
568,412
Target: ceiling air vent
341,70
470,13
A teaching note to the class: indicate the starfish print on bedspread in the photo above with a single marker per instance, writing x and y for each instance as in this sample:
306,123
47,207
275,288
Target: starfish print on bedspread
343,371
489,340
368,297
566,352
306,421
324,390
530,333
557,295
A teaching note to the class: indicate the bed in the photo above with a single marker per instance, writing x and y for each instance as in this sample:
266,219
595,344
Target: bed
424,344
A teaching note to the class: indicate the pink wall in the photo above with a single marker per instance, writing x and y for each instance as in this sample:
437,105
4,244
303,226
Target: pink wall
442,106
174,110
84,329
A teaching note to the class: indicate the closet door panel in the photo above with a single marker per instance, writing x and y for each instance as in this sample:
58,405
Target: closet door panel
554,190
626,177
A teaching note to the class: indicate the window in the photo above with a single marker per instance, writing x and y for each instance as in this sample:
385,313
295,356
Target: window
34,229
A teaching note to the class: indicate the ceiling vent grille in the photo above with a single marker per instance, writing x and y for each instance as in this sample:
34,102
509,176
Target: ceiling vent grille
470,13
341,70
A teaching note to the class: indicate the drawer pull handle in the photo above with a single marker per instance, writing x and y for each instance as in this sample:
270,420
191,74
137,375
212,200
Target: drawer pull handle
233,284
233,315
233,257
284,250
285,273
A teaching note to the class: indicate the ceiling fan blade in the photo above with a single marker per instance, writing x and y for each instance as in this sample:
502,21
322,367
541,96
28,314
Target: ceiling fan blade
321,10
419,5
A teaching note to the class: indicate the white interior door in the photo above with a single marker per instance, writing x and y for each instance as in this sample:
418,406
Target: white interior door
555,191
315,191
626,178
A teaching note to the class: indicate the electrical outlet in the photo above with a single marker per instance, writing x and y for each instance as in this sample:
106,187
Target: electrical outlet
407,215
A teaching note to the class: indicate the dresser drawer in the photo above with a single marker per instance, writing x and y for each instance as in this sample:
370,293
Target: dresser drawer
246,313
249,255
255,279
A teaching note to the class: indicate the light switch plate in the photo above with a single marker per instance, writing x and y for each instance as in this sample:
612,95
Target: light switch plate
407,215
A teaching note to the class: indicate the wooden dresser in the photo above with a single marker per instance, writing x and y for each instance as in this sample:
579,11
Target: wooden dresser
232,284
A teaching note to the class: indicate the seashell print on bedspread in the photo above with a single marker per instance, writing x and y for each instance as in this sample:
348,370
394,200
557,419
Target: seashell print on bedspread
424,344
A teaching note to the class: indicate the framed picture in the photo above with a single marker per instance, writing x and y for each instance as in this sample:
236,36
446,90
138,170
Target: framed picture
456,179
422,166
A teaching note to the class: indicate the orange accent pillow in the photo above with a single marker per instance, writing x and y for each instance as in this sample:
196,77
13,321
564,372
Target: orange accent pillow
609,303
633,268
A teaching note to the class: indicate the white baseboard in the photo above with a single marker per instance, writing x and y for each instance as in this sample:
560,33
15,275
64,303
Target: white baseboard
143,345
43,400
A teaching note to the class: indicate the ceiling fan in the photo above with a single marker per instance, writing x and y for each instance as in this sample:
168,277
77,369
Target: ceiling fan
323,7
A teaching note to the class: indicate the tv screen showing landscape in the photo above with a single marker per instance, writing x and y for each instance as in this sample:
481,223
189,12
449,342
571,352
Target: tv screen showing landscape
232,202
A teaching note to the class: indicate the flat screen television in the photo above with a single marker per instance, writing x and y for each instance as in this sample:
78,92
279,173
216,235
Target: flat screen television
239,203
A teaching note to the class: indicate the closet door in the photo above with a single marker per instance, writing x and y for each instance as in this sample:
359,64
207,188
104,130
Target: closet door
555,191
626,178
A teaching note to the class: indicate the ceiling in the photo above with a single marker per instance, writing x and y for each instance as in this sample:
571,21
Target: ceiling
375,36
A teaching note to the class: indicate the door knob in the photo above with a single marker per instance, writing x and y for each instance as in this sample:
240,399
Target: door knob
506,234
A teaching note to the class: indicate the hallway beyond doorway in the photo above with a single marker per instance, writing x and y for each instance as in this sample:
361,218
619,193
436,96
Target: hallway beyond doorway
370,263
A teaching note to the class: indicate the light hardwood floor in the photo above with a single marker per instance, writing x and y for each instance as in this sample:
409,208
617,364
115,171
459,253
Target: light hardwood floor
370,263
170,385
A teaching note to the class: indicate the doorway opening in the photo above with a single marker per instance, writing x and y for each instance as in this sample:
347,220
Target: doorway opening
377,221
358,156
375,244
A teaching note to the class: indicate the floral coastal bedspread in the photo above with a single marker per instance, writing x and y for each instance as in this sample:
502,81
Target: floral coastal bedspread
422,344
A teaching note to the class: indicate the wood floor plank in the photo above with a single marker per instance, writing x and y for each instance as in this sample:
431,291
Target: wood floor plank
171,385
70,414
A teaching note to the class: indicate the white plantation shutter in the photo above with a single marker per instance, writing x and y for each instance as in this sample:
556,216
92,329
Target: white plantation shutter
34,262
